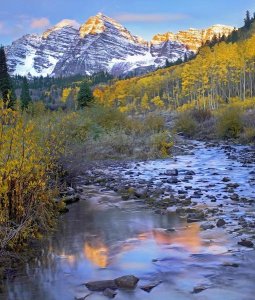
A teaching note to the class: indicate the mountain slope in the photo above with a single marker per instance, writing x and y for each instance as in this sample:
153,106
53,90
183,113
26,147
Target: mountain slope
100,44
216,76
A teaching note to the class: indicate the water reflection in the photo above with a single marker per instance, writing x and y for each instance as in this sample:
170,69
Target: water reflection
189,238
96,244
97,253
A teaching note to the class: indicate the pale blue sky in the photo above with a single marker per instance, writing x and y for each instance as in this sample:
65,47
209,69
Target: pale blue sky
142,17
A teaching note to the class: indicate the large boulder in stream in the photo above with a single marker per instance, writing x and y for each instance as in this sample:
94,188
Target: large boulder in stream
101,285
126,282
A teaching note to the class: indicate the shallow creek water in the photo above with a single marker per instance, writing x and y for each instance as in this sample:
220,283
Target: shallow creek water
104,237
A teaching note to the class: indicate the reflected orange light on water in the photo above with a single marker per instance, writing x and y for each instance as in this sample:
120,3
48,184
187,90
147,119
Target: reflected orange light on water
97,253
188,238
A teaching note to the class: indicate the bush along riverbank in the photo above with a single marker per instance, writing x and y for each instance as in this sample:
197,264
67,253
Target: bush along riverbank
230,121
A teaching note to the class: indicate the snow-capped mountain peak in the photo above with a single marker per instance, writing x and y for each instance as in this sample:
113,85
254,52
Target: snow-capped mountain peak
101,23
101,44
94,25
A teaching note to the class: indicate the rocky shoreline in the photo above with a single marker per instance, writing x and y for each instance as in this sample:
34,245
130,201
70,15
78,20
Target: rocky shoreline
173,191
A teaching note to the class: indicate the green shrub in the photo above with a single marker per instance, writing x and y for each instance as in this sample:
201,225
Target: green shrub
186,124
162,143
201,115
105,117
154,122
248,135
229,123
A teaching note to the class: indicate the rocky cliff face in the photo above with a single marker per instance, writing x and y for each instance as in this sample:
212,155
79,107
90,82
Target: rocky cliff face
193,38
101,44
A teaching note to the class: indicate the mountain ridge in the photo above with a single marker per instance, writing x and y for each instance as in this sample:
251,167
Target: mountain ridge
100,44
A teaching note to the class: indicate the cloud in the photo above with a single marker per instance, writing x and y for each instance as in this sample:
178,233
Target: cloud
4,30
150,18
1,26
11,29
39,23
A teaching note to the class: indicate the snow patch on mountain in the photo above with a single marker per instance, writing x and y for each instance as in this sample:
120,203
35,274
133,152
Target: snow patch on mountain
60,25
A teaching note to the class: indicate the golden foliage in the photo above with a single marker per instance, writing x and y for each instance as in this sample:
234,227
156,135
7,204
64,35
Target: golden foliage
29,149
213,78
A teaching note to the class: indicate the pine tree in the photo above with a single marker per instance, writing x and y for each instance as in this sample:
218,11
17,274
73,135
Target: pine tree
233,37
25,98
13,98
223,38
85,95
167,64
247,20
186,58
179,61
6,90
213,41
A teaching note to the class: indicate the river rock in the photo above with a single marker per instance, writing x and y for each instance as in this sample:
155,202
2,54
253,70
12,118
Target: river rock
195,217
246,243
173,172
141,193
187,178
199,289
148,287
182,192
172,180
230,264
207,226
71,199
220,223
188,173
234,197
171,209
100,286
226,179
63,210
233,185
186,201
126,282
68,192
109,293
